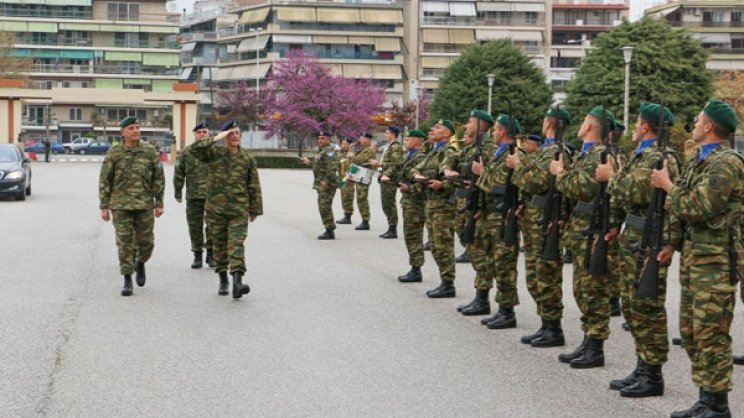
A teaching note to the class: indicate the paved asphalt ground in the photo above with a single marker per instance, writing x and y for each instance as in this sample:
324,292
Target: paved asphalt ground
327,330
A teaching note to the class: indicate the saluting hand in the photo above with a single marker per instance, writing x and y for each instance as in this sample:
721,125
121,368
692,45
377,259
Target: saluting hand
556,166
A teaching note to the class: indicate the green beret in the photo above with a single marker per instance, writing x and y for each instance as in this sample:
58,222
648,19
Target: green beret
650,112
416,133
482,115
721,113
559,113
619,126
503,120
129,120
447,124
597,112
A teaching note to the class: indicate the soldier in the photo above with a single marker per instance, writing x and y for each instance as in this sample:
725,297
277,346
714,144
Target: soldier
195,174
325,169
392,159
493,178
347,188
708,201
47,149
233,199
631,193
363,158
463,166
413,202
591,292
440,212
131,187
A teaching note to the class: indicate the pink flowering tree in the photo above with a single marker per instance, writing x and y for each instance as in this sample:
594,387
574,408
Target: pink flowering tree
303,96
404,115
240,103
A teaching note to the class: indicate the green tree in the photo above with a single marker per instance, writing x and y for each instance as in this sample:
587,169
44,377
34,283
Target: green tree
12,66
668,66
464,85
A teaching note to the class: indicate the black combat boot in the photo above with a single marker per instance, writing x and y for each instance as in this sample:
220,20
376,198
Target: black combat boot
328,234
491,318
717,406
593,355
506,319
197,264
526,339
391,233
480,305
139,268
127,289
346,220
628,380
239,289
444,290
224,283
739,360
626,327
364,226
695,410
463,258
650,382
677,341
210,259
567,357
615,306
568,256
414,275
552,335
427,246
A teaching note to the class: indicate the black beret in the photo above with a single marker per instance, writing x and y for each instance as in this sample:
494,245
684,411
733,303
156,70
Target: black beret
536,138
202,125
230,124
367,134
324,133
394,129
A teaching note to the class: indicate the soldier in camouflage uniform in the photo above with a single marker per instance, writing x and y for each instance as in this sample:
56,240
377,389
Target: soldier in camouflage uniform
347,188
440,211
493,174
413,202
707,222
363,158
464,161
544,278
591,292
325,169
233,199
392,159
631,194
194,173
131,187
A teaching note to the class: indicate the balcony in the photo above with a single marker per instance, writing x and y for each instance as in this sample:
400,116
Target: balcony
474,21
727,51
25,39
197,37
103,69
64,13
118,43
701,24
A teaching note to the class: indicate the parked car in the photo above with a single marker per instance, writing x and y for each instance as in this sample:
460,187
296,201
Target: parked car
75,145
15,172
95,147
38,147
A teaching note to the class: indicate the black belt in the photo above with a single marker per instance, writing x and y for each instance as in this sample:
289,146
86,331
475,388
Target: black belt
584,208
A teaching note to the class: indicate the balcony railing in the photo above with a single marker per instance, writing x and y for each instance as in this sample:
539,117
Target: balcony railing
58,41
701,24
735,51
145,44
103,69
474,21
198,36
55,14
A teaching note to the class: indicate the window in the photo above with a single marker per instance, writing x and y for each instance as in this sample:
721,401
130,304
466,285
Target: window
531,17
123,11
76,113
131,40
505,18
736,16
35,114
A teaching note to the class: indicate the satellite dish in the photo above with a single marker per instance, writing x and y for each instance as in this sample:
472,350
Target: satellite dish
171,6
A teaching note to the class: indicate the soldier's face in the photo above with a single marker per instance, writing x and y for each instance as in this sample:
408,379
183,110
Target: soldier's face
233,140
412,142
702,126
441,132
529,146
499,133
364,141
131,132
471,127
547,124
201,134
586,127
344,146
640,129
323,141
389,136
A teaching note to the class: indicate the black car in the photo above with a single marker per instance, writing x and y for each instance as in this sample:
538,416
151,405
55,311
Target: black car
15,172
95,147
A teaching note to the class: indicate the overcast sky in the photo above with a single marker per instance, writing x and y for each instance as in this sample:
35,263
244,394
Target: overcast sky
636,6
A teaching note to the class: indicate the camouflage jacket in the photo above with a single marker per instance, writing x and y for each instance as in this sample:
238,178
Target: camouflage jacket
579,182
233,183
432,167
495,173
131,178
193,172
392,159
532,176
325,168
362,157
415,190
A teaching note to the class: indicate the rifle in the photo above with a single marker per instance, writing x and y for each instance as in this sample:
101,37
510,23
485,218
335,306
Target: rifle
550,233
511,195
596,251
467,236
652,241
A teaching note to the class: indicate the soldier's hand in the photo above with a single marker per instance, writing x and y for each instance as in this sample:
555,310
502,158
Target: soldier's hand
324,185
512,160
478,215
604,172
556,167
419,177
105,215
402,187
222,135
477,167
305,161
665,255
159,212
375,163
660,178
384,178
451,173
252,218
178,199
612,234
435,184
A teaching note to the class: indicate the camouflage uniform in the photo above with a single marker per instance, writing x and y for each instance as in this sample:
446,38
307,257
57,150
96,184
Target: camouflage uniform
362,190
392,159
413,203
631,193
131,185
347,189
194,173
705,204
325,169
462,166
234,196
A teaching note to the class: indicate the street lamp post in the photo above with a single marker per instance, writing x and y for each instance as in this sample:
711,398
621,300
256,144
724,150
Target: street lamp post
258,51
627,55
491,78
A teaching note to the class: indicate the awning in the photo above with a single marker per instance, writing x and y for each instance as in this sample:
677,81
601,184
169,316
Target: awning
292,39
208,72
436,36
223,73
382,16
358,71
13,27
243,72
255,15
361,40
435,62
296,14
45,53
336,69
387,72
250,44
123,56
461,36
526,36
528,7
337,15
668,11
323,39
436,6
42,27
161,59
231,48
713,38
188,46
490,6
387,44
79,26
109,83
488,34
186,73
462,9
76,55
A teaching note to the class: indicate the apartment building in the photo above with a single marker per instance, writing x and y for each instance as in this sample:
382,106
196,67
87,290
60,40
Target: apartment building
110,46
718,24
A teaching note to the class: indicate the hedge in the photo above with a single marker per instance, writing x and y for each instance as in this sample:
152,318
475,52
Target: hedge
279,161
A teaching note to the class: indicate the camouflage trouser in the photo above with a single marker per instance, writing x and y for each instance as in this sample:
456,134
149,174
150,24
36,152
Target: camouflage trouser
481,250
461,217
387,196
325,206
440,220
531,239
505,268
549,288
229,231
347,197
134,236
592,293
414,219
705,314
362,198
197,228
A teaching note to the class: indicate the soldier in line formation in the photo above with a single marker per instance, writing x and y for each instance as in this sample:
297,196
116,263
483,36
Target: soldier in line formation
225,188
